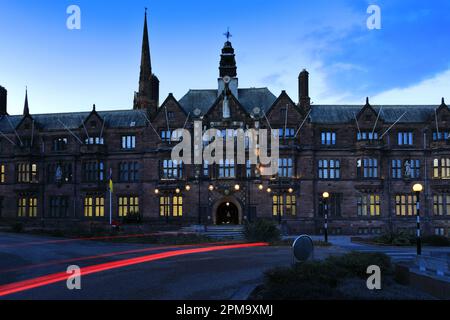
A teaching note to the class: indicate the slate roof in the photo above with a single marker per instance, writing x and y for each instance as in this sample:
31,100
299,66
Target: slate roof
204,99
249,98
329,114
114,119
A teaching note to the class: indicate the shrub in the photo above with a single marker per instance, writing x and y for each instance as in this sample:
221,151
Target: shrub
320,279
356,263
396,239
262,230
437,241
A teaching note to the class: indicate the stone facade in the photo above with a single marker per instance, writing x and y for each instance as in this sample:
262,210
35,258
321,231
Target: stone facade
55,167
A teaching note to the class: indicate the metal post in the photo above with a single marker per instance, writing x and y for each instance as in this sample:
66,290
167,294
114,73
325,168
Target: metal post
199,207
419,240
110,206
325,208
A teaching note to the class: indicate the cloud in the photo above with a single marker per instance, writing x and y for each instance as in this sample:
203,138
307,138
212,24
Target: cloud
428,91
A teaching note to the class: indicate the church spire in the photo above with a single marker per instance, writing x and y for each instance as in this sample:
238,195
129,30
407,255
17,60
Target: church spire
148,95
228,59
146,63
26,109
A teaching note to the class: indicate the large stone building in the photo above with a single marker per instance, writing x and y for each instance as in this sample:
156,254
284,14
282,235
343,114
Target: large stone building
54,168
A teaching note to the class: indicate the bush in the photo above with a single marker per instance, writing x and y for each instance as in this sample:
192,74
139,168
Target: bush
320,279
17,227
355,264
262,231
395,239
436,241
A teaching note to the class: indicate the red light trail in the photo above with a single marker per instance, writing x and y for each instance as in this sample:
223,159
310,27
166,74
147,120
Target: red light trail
63,276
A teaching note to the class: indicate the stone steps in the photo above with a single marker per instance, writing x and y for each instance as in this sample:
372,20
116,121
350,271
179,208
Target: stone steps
218,232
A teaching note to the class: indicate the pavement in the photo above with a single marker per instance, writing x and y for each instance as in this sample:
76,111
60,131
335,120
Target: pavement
217,275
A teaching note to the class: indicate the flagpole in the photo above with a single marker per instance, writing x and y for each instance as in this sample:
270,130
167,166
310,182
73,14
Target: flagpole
110,207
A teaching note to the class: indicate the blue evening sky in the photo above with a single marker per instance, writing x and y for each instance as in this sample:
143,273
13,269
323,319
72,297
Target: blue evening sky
407,61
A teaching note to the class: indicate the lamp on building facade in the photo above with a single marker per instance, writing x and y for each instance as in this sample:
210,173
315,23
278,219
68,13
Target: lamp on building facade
325,196
418,188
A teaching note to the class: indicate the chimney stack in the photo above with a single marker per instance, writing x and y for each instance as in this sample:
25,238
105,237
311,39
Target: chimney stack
3,101
303,89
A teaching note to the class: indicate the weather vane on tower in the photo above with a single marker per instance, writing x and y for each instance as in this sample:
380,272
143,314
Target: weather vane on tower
228,34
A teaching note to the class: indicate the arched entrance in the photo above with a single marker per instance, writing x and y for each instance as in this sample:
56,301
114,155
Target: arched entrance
227,214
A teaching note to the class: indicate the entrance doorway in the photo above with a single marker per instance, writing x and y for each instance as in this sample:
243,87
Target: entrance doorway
227,214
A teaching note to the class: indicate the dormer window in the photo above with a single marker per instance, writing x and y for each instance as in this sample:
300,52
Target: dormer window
405,138
59,144
367,136
94,141
441,136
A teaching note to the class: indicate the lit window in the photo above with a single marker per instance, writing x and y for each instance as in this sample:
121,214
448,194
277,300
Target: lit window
27,173
94,206
284,204
2,173
405,138
27,207
128,206
128,142
171,206
369,205
405,205
441,168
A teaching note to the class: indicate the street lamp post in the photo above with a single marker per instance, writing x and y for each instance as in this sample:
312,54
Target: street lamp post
325,196
417,188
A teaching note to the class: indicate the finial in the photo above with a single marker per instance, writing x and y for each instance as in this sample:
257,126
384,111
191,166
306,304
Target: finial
228,34
367,101
145,10
443,101
93,107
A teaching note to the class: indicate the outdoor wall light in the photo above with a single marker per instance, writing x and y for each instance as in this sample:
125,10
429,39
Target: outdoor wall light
326,195
291,190
237,187
211,187
177,190
260,187
156,191
188,188
269,190
417,187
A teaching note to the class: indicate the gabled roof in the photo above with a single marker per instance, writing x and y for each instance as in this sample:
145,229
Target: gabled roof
329,114
249,99
55,121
